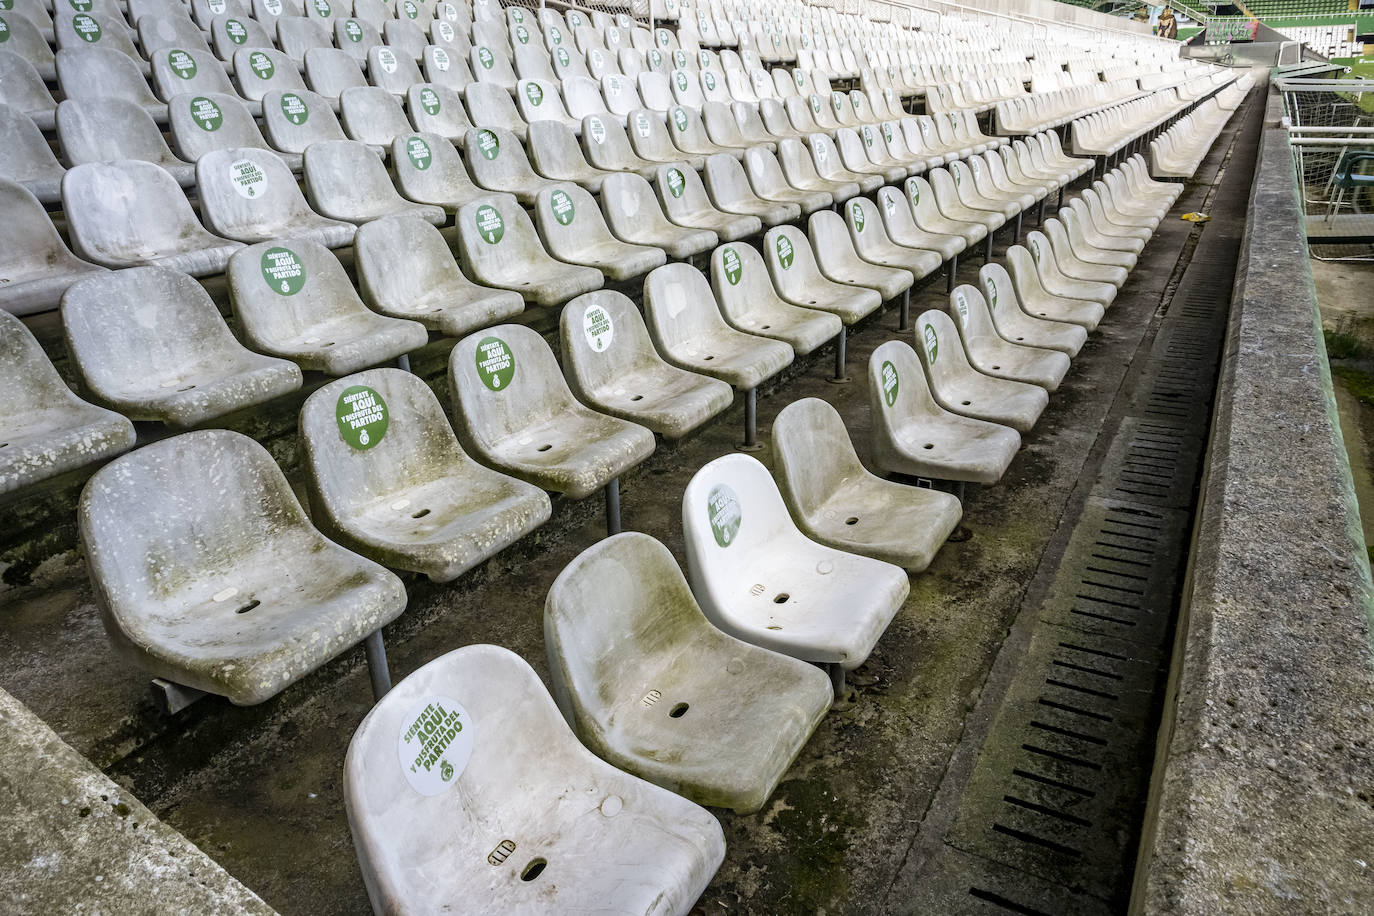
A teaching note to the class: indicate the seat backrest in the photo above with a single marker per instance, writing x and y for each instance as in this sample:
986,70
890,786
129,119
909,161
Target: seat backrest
970,312
97,72
105,30
103,130
940,348
899,393
407,38
182,71
248,194
567,63
739,279
259,71
504,379
438,110
686,89
112,206
203,123
731,510
392,70
679,307
491,65
21,86
294,120
602,337
495,158
620,94
813,453
286,287
539,100
532,62
297,35
446,67
330,71
583,97
228,34
489,105
791,262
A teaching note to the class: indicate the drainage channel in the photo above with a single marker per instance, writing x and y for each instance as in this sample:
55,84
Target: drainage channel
1049,819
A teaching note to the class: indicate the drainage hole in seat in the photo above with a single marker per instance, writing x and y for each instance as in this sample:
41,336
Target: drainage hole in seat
810,301
330,344
248,607
852,520
709,357
781,598
929,445
997,367
965,403
544,448
421,514
638,397
678,711
765,327
187,388
533,870
3,444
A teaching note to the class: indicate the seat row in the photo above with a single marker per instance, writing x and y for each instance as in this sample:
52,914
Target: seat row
1179,151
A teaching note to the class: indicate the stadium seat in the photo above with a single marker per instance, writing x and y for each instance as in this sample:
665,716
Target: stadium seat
346,181
835,500
81,31
729,188
1039,302
768,181
573,230
758,578
611,365
798,278
722,719
748,302
251,196
372,115
684,200
840,261
201,124
648,136
437,109
1082,261
293,299
912,434
293,120
23,89
150,343
1018,326
607,145
497,162
104,130
226,589
258,71
421,836
48,430
962,389
634,215
297,36
858,158
869,236
689,134
35,262
27,158
1055,281
429,171
406,270
132,214
391,69
387,478
355,37
498,246
555,154
991,355
446,66
330,72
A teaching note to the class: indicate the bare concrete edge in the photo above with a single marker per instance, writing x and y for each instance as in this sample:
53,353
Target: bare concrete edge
72,841
1261,800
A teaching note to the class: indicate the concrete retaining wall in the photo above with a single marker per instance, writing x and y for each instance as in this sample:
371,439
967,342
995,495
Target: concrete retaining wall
1263,795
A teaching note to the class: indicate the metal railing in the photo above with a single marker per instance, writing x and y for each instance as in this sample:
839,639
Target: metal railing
1326,128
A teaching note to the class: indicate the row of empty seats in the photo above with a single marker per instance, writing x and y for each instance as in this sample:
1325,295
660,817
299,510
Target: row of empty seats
1178,151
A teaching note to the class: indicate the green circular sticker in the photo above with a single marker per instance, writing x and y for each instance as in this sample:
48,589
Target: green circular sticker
485,58
236,31
283,271
517,14
323,9
82,6
206,114
655,59
562,206
523,34
534,93
4,30
816,104
353,30
681,80
856,216
724,513
785,252
709,79
676,182
889,373
490,225
495,363
680,118
488,144
992,292
294,109
418,152
729,259
410,9
680,59
362,417
86,28
261,65
182,64
429,101
914,192
555,35
868,136
932,343
563,59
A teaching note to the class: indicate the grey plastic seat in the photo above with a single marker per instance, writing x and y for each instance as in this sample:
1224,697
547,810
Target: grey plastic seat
1017,326
910,433
870,239
292,121
688,134
150,343
346,181
798,279
573,230
727,718
297,36
620,95
607,145
23,89
437,110
392,70
421,837
406,37
839,260
768,182
835,500
804,115
515,412
610,364
430,171
131,214
539,100
800,171
388,479
204,123
749,303
532,62
944,192
355,37
330,72
490,105
689,331
158,32
728,186
1055,281
498,246
684,200
1040,302
251,196
497,162
110,129
231,34
179,71
555,154
491,65
649,138
1090,249
258,71
35,263
406,270
48,430
27,159
1100,230
959,387
751,127
634,215
226,589
24,38
107,31
816,603
990,354
293,299
373,116
446,66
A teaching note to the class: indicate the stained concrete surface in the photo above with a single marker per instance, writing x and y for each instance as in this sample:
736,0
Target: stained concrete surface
259,789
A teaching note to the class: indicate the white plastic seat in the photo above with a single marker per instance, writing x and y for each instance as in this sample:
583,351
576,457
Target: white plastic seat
1100,232
928,216
251,196
1039,302
406,37
231,33
800,171
258,71
835,500
751,127
132,214
957,386
24,38
297,36
355,37
406,270
201,124
798,278
1018,326
392,69
228,588
899,221
829,166
498,246
610,364
346,181
729,188
840,261
292,121
35,262
539,100
110,129
635,215
573,230
532,62
48,430
372,115
620,95
24,90
727,718
106,31
1055,281
27,159
749,303
684,200
429,171
758,578
910,433
871,241
952,205
491,65
514,411
156,33
648,136
446,66
575,833
293,299
607,145
689,135
767,180
555,154
855,157
150,343
991,354
582,96
388,479
1081,261
497,162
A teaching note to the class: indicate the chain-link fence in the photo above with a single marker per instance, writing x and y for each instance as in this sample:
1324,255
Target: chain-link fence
1331,132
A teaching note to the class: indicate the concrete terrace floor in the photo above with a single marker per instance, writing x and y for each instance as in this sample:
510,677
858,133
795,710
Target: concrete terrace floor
259,789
